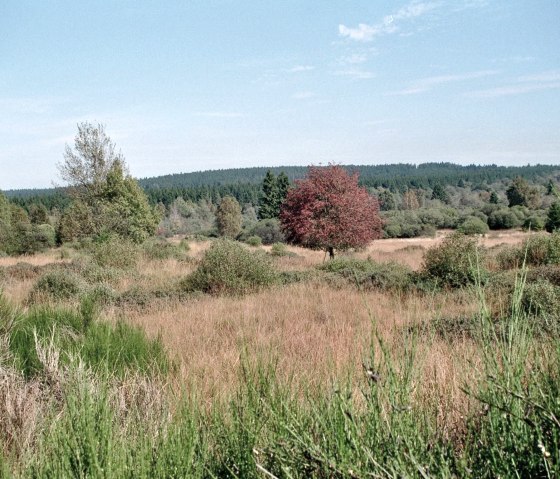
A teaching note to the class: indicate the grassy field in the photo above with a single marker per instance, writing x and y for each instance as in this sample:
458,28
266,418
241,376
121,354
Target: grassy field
364,368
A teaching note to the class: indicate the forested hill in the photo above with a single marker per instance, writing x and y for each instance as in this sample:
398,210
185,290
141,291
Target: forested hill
397,176
244,183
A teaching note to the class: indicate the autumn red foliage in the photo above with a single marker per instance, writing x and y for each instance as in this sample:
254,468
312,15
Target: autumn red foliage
328,210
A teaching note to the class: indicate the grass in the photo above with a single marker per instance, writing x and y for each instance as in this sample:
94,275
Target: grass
295,381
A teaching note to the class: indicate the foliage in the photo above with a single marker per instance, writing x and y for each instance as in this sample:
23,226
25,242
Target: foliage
328,210
118,348
273,193
161,249
371,275
279,249
473,226
254,241
229,268
386,201
553,217
58,284
520,193
268,230
439,193
106,198
454,262
503,218
228,217
534,223
115,252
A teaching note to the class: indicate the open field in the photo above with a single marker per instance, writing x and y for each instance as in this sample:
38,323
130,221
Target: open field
316,336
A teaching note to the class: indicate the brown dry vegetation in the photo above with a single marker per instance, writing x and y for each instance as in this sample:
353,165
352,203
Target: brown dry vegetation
316,332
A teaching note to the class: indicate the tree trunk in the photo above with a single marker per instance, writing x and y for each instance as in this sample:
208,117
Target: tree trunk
330,250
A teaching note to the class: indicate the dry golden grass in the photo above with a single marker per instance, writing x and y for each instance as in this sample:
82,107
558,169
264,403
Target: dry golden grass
316,332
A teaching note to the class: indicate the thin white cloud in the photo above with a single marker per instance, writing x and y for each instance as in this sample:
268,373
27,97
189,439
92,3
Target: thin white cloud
549,80
355,73
301,68
424,84
303,95
353,59
389,24
509,90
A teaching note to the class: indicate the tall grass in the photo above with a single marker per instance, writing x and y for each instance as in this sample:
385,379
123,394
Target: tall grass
375,425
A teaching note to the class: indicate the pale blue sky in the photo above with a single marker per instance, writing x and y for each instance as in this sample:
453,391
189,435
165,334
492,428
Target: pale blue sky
201,84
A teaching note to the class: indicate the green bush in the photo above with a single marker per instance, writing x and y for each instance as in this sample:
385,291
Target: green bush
455,262
268,230
534,223
160,249
280,249
473,226
542,299
254,241
369,274
58,284
502,219
229,268
115,252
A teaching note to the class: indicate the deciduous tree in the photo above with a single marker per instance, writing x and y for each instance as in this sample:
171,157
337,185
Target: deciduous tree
328,210
228,217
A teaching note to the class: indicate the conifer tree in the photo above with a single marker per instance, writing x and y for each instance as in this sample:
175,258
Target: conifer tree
268,202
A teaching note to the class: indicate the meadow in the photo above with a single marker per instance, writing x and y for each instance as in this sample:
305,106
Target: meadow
421,357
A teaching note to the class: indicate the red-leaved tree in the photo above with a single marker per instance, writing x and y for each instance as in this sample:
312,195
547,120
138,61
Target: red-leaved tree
328,210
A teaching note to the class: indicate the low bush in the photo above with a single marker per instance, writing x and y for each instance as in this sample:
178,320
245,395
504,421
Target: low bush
280,249
456,262
541,298
229,268
254,241
268,230
58,284
115,252
537,250
161,249
369,274
473,226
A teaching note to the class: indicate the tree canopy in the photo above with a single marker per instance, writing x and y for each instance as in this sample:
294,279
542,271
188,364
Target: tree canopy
328,210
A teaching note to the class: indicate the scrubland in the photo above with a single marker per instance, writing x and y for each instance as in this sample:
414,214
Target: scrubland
427,357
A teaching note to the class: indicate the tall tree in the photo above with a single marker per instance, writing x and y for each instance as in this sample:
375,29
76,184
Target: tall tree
268,201
328,210
439,193
520,193
553,218
106,198
228,217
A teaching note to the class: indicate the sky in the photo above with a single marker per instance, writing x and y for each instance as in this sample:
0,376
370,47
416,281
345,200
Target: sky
205,84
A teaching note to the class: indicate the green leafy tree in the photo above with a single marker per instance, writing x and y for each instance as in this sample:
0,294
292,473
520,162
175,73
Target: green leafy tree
439,193
553,218
38,214
5,224
106,198
228,217
386,201
520,193
494,198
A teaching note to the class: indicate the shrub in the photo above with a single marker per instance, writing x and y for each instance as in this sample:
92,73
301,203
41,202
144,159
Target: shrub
229,268
542,299
58,284
116,253
503,219
534,223
454,262
268,230
280,249
254,241
160,249
473,226
369,274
